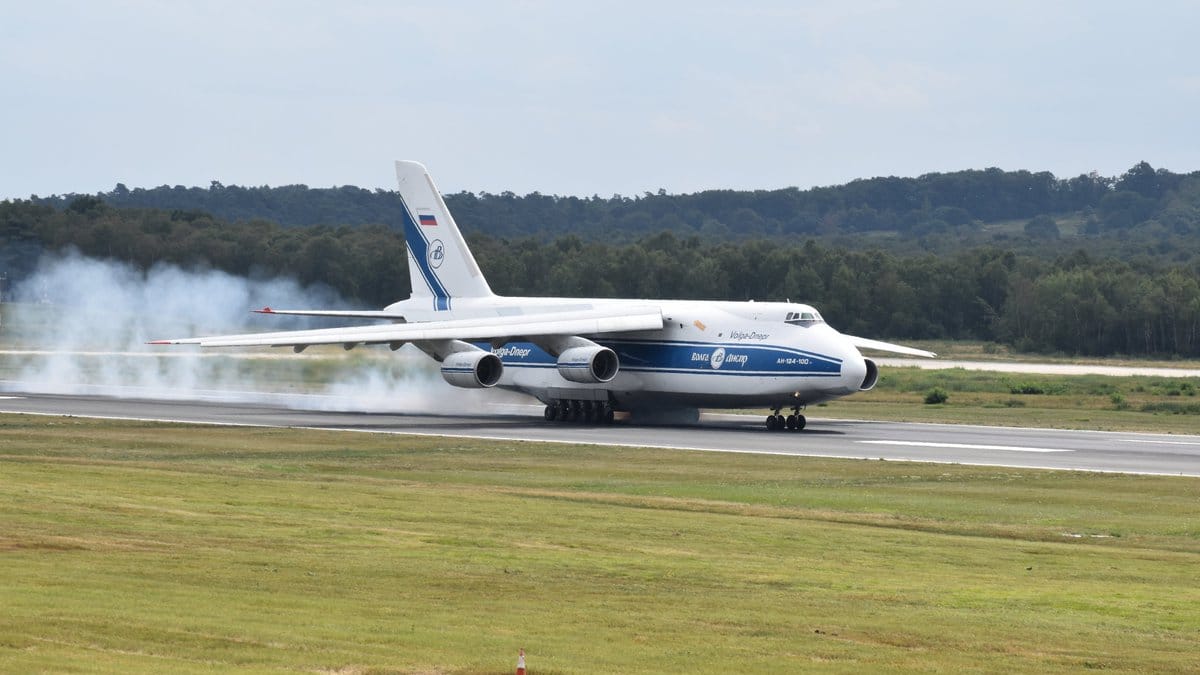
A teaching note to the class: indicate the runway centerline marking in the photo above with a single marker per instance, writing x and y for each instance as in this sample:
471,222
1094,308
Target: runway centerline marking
1144,440
966,446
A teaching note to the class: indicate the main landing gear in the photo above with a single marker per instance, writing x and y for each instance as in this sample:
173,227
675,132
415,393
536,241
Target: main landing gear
584,412
793,422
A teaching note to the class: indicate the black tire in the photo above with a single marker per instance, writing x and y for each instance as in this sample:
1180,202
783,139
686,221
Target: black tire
791,422
800,422
551,412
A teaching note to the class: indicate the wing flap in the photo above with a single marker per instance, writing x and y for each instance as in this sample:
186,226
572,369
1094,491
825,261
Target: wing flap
587,322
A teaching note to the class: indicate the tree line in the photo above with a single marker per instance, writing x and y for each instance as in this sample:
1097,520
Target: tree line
1072,302
954,204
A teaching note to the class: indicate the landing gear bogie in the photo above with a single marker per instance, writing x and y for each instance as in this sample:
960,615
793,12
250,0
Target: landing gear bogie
580,412
793,422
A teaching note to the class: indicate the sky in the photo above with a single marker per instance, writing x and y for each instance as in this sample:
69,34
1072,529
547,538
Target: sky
585,99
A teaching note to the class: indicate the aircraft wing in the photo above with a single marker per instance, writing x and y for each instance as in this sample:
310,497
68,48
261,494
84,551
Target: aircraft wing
864,343
615,318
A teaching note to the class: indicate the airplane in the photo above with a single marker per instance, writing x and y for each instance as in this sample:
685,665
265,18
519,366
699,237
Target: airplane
586,359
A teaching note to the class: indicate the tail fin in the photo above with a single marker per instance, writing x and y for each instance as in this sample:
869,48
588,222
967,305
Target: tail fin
440,265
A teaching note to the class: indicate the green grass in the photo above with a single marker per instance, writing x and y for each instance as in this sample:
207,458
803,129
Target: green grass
132,547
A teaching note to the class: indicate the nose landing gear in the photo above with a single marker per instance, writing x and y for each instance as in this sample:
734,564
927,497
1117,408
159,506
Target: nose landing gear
793,422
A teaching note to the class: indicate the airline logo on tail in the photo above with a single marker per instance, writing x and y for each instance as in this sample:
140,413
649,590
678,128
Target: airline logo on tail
437,253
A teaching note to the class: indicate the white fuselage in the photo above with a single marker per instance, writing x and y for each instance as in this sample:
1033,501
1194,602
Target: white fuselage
708,354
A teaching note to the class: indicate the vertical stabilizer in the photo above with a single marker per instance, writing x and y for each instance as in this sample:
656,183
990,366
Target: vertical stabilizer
440,265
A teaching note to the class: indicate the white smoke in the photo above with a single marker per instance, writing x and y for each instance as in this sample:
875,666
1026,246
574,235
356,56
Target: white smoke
80,326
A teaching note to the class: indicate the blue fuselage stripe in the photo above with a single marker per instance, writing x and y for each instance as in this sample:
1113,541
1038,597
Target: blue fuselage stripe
693,358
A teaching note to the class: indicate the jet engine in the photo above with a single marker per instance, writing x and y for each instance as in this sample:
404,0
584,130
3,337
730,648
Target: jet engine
474,369
588,364
871,377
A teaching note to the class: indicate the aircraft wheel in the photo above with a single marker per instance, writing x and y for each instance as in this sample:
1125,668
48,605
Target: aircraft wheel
606,414
800,422
589,412
773,423
791,422
564,411
551,412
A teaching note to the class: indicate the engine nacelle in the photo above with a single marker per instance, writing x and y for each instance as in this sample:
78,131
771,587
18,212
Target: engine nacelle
871,377
588,364
472,369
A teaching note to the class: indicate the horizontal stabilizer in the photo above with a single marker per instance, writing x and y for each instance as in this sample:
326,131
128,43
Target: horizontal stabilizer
341,314
863,343
614,318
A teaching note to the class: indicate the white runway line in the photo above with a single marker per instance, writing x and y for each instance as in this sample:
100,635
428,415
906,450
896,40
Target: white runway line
1145,440
966,446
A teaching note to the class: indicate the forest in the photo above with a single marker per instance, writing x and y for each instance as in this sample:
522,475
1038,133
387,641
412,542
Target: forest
1089,265
933,203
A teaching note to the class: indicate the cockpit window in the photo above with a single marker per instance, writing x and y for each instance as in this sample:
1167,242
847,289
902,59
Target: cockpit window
806,318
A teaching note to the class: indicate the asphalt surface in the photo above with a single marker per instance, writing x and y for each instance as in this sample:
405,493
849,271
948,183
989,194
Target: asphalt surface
956,444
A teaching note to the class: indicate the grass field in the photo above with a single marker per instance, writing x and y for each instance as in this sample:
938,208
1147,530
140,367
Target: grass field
133,547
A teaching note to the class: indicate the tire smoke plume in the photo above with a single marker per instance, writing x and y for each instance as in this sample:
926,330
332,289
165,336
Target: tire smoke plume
79,325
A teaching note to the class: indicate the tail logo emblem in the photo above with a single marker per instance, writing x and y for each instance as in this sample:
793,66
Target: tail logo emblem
437,253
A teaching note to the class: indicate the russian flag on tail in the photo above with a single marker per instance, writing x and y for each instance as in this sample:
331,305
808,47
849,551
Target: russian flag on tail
427,219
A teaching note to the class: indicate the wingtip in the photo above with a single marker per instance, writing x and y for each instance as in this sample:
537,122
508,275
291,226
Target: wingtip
159,342
264,310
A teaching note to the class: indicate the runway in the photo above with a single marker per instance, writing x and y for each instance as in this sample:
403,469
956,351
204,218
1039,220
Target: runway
851,439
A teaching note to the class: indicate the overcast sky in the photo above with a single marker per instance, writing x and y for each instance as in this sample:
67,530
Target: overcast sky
588,98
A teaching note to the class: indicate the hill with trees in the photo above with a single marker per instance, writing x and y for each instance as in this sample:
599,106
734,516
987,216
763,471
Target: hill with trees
972,207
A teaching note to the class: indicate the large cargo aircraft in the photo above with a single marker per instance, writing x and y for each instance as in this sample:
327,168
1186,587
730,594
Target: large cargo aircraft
586,358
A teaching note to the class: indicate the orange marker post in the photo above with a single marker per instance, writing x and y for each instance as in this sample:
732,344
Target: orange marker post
521,662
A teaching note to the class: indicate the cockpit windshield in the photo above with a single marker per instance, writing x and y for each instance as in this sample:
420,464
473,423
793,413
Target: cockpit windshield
803,318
